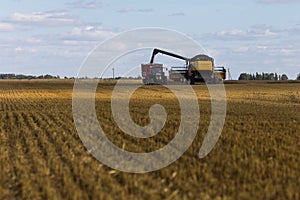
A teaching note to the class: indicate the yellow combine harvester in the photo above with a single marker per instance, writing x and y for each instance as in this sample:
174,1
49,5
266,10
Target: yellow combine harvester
200,68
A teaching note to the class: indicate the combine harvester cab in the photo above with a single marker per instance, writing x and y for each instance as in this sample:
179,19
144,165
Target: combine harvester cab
153,74
220,73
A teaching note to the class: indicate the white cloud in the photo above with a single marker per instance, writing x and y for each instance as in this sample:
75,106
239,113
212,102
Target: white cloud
242,49
284,51
259,31
6,27
229,33
269,33
89,28
33,40
145,10
44,18
261,47
212,52
126,10
131,10
91,33
19,49
253,33
293,29
85,4
177,14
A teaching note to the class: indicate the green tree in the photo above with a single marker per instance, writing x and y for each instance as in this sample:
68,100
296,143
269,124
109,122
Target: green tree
276,77
284,77
258,76
244,76
298,77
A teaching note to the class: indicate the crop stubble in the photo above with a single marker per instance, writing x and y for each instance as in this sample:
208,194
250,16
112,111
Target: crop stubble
257,155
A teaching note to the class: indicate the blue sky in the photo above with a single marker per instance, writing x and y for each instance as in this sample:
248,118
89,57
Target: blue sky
40,37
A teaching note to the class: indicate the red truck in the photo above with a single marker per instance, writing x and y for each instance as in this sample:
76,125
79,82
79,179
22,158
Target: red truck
153,74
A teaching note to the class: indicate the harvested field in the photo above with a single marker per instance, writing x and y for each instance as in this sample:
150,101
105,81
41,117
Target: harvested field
257,155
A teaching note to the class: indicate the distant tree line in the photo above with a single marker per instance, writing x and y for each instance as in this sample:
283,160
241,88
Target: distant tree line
298,77
21,76
263,76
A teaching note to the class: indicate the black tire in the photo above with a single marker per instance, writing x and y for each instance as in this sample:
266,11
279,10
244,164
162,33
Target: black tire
165,80
192,81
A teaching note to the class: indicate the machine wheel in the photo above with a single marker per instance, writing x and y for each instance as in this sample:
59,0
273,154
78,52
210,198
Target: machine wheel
192,81
165,81
188,81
